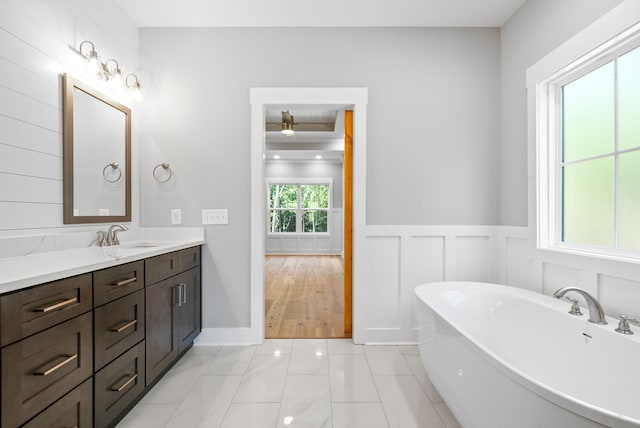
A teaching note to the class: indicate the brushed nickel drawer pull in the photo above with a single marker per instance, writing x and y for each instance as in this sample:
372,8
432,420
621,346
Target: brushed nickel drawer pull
56,366
55,306
177,295
124,282
124,384
183,295
124,326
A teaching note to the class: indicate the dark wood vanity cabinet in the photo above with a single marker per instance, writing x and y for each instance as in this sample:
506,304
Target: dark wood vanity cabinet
173,310
81,351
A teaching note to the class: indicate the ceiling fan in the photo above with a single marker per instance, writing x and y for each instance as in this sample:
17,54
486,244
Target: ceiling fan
288,125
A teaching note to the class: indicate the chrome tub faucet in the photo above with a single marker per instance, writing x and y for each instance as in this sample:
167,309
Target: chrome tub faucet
596,313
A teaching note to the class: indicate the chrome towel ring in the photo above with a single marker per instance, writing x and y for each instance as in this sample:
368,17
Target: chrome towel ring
168,173
114,166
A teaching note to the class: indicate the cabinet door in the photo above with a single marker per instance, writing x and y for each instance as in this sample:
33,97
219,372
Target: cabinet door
162,339
188,312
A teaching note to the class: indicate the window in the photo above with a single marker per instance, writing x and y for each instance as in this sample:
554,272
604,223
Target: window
298,206
589,153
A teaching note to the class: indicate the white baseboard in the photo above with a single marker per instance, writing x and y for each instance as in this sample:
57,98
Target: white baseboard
228,336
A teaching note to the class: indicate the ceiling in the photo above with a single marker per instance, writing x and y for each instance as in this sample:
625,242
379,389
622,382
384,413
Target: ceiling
311,13
306,144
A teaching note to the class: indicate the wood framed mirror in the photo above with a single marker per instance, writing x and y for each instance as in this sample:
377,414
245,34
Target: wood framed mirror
96,172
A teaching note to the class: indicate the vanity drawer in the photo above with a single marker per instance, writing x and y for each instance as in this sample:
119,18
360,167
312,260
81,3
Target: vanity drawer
118,326
38,370
29,311
73,410
188,258
115,282
118,385
161,267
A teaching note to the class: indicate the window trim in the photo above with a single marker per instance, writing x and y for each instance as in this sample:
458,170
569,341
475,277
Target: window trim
548,146
298,182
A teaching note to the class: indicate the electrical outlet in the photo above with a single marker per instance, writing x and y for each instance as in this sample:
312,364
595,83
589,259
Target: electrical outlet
176,216
220,216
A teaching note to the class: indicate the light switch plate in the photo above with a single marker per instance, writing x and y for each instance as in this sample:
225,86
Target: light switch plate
176,216
218,216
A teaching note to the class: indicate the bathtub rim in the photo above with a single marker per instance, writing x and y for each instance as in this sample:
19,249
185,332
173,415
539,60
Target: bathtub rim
568,402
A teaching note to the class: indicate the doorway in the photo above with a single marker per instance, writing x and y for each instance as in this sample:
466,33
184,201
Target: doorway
261,100
307,192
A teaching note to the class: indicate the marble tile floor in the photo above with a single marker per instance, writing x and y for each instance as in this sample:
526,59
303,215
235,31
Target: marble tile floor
295,383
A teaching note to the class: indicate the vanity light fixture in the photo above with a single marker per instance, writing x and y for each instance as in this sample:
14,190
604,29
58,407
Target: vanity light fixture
109,70
113,74
287,123
135,87
91,56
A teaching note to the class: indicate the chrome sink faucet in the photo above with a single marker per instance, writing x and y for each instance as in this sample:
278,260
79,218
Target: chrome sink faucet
596,313
112,234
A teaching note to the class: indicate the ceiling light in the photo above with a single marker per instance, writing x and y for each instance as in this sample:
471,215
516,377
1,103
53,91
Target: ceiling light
318,157
287,123
276,156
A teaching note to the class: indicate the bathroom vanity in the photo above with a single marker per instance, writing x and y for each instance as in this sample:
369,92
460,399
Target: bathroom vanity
81,350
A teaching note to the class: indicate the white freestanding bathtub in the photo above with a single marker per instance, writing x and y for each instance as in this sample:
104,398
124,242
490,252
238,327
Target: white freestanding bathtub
507,357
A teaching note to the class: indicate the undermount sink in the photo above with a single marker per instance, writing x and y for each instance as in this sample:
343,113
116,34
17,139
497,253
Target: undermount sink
140,245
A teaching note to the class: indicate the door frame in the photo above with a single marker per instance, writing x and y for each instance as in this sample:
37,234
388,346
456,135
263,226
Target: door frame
260,98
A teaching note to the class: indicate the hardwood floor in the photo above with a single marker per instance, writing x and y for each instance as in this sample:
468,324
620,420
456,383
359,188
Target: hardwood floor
304,296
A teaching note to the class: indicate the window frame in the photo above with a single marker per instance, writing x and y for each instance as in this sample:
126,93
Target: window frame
299,209
549,143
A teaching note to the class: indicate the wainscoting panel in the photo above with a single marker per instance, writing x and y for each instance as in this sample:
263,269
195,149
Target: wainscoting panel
518,263
330,243
383,282
615,283
556,276
399,258
619,295
424,263
473,256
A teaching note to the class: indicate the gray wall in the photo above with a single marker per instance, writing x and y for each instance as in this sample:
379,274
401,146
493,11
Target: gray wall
432,146
537,28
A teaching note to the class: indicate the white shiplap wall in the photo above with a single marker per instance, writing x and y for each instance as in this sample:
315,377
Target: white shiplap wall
35,36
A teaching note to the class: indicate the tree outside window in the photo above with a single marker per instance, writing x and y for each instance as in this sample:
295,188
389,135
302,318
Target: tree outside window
298,208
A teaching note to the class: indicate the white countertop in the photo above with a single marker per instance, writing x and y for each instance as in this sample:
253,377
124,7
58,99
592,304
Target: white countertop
24,271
